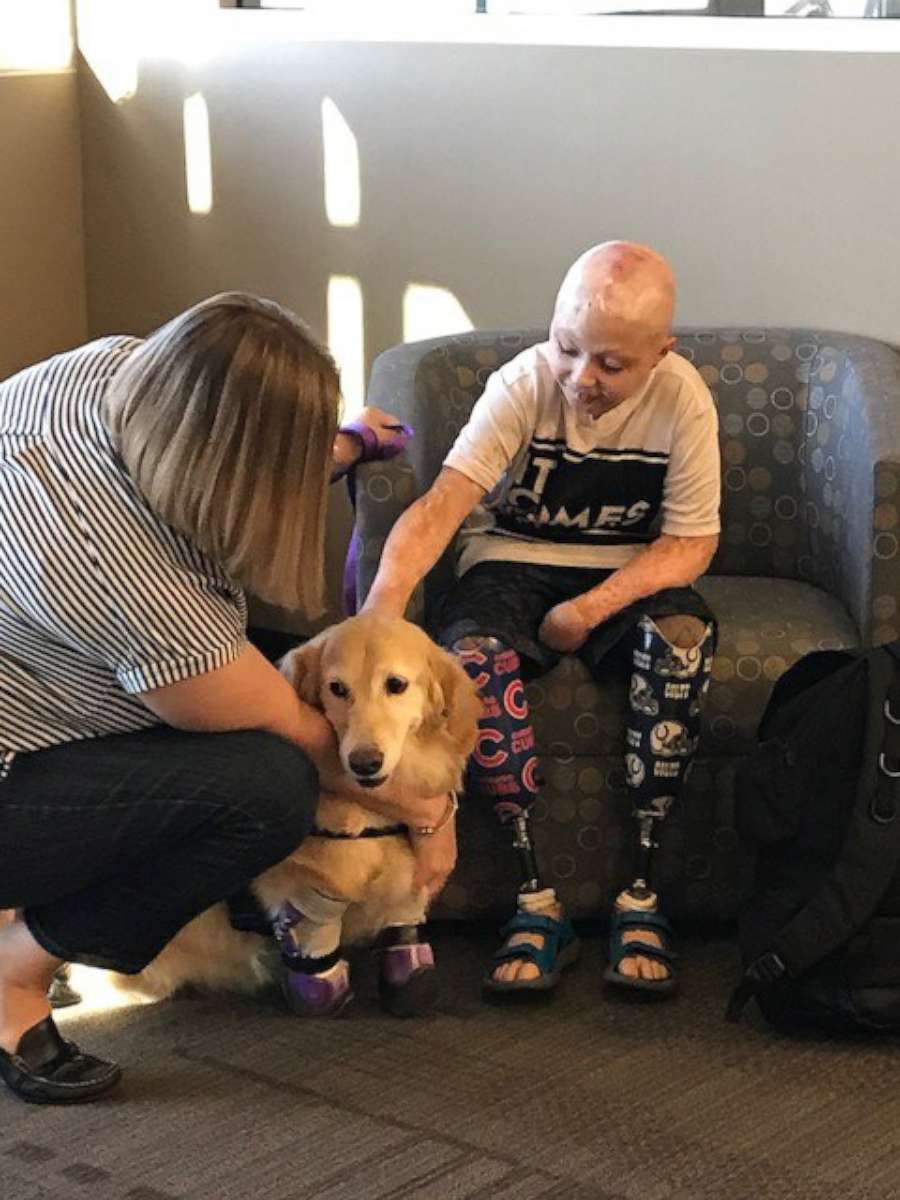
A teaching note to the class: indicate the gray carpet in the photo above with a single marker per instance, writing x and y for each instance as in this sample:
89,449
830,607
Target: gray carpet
587,1098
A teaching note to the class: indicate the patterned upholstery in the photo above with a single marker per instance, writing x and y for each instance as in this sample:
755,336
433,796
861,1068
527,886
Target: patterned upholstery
809,558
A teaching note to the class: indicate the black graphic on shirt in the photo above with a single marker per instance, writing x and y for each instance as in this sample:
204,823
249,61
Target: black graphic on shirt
602,498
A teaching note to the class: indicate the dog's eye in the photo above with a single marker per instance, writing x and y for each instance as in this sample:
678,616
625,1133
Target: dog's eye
395,685
339,689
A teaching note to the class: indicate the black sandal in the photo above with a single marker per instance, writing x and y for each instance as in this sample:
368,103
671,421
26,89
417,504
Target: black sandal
45,1069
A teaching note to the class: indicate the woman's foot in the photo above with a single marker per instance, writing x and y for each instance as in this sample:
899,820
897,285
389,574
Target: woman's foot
26,970
45,1069
35,1062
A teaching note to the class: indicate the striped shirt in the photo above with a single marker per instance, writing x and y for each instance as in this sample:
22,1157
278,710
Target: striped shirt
100,599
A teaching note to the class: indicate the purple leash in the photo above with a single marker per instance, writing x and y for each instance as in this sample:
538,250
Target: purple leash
372,451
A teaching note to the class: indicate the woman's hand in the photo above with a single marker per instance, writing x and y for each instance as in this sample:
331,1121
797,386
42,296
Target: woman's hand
348,447
410,810
435,857
564,628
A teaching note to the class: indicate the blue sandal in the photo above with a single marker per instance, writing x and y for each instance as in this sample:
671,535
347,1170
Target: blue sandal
561,949
646,922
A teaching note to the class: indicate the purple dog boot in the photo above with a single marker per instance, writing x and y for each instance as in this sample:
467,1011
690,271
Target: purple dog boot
325,994
407,980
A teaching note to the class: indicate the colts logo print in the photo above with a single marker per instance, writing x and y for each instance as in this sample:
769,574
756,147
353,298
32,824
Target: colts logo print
670,738
679,664
657,808
642,699
634,770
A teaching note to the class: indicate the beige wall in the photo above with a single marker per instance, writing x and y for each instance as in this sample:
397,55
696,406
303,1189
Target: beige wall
769,178
42,297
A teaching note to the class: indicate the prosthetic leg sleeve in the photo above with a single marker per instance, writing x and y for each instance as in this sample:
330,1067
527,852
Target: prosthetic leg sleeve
666,690
504,765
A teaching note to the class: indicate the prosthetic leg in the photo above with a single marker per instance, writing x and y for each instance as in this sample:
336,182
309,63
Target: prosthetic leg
668,683
505,768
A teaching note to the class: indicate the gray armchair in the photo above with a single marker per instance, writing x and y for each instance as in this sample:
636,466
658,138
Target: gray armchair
810,434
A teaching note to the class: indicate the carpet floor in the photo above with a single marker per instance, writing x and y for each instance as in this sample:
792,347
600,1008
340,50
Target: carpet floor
587,1097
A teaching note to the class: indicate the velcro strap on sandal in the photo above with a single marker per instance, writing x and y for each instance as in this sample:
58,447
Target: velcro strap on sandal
644,950
557,934
526,922
635,919
541,956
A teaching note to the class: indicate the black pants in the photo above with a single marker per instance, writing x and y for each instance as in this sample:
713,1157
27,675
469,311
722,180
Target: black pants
111,845
509,600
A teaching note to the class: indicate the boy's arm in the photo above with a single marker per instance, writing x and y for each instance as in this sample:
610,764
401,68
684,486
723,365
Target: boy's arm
500,422
667,562
419,539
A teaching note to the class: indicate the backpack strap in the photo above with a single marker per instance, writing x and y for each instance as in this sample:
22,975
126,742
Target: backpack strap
869,854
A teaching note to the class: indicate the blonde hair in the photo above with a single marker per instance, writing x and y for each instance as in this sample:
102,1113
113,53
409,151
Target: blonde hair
226,418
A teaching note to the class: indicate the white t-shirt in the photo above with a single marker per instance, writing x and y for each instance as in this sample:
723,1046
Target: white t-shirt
564,490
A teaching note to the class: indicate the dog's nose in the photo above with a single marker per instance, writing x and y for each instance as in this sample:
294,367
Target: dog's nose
365,761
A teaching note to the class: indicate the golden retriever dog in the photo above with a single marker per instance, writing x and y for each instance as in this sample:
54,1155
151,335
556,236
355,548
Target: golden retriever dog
404,710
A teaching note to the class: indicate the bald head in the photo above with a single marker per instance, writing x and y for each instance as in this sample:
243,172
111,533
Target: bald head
611,325
621,282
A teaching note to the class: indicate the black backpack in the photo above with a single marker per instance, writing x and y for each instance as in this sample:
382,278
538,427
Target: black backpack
818,823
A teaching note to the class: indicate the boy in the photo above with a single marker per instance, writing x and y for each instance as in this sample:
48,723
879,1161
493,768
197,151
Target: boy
588,478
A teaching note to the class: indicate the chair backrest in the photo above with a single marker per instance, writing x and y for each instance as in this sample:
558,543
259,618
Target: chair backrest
810,432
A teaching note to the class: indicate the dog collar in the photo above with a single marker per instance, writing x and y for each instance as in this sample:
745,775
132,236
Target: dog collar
371,831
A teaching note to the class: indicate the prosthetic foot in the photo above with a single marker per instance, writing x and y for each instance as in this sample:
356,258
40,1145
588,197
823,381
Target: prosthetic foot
539,935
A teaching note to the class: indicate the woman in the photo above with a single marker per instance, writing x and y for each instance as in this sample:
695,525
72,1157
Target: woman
153,762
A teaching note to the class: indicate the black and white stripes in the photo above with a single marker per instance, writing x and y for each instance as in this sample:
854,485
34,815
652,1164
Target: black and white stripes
99,598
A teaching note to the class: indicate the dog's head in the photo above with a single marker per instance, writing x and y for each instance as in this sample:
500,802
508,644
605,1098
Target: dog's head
378,680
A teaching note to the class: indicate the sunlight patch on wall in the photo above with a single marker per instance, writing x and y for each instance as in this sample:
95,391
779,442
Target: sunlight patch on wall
187,31
108,41
35,35
432,312
197,155
341,157
346,338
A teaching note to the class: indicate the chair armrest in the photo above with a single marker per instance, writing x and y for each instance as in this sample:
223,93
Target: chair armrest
850,481
384,490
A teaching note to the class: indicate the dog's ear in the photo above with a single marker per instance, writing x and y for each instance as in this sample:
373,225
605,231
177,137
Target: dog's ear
302,668
453,700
